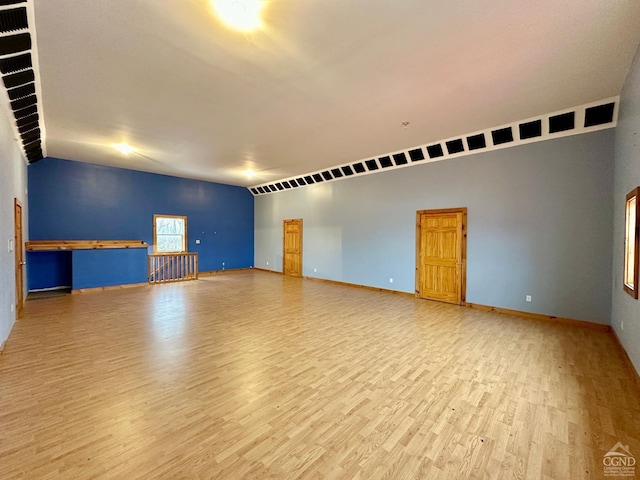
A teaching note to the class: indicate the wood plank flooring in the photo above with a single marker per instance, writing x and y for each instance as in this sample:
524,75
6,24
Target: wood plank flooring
256,376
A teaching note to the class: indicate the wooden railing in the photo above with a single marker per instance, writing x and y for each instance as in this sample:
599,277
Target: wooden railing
172,267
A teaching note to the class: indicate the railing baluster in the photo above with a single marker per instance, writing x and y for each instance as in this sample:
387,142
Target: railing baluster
172,267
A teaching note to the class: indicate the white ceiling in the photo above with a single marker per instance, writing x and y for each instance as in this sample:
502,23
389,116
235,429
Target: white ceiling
325,82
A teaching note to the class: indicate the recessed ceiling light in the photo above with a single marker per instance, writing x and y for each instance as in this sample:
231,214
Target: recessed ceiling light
124,148
242,15
250,173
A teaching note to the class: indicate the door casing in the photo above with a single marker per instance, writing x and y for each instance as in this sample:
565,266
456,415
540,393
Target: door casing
461,261
19,257
292,256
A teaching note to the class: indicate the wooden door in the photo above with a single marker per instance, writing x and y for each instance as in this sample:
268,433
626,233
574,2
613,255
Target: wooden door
292,247
441,254
19,256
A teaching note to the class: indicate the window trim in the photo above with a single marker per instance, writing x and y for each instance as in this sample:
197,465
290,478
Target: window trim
155,237
633,291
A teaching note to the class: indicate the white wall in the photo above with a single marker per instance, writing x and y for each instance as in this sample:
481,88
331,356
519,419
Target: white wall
539,223
13,184
626,310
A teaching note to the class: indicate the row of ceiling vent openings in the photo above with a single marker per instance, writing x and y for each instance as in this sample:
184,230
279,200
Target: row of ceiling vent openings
18,76
598,115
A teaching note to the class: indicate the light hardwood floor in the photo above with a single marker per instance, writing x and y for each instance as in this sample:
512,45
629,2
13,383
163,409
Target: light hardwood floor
255,375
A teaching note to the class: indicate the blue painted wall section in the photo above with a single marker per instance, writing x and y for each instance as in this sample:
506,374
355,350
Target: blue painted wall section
103,268
49,269
79,201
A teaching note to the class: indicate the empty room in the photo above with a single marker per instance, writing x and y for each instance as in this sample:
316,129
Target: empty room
319,239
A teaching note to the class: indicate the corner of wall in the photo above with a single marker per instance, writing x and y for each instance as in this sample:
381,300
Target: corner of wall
13,184
625,311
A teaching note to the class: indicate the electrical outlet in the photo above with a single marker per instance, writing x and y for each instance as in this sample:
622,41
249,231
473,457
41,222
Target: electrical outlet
391,280
315,270
197,242
267,263
12,307
621,324
528,298
10,245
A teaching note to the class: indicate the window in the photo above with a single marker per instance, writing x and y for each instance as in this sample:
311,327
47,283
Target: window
631,243
169,233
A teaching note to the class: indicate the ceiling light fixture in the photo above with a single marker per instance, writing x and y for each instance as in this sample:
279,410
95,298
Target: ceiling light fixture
250,173
124,148
243,15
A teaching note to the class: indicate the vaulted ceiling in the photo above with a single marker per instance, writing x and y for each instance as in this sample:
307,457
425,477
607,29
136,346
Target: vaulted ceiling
322,83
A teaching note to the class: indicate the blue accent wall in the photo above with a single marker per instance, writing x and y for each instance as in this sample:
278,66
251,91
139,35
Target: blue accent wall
79,201
49,269
103,268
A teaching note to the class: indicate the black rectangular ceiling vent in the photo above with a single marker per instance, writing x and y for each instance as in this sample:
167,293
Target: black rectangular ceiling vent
358,167
28,119
326,175
15,43
293,183
416,155
30,136
273,188
530,129
562,122
435,151
301,181
28,127
34,156
255,192
24,112
11,2
34,151
371,165
455,146
502,135
476,142
261,190
308,179
400,158
286,185
318,178
13,19
32,145
336,172
598,115
24,102
16,63
385,162
347,170
14,79
279,186
23,91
